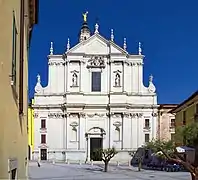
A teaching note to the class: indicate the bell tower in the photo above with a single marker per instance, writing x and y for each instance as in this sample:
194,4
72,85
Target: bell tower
84,31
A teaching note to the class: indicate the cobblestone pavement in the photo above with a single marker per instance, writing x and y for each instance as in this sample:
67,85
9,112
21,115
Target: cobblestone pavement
60,171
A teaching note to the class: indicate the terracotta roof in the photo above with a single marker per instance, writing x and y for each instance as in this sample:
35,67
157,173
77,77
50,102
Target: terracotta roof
167,106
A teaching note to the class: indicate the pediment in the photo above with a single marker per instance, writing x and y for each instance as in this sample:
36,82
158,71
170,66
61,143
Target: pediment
96,44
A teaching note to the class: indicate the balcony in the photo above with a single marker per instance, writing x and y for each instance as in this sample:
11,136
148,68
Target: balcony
43,145
43,130
196,117
147,129
172,128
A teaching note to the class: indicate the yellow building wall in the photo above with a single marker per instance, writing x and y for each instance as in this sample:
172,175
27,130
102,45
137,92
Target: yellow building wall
31,127
13,129
190,118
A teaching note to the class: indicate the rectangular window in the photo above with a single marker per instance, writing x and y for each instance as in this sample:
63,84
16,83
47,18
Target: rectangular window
147,123
172,123
147,138
184,117
173,137
14,50
96,82
43,138
43,123
196,108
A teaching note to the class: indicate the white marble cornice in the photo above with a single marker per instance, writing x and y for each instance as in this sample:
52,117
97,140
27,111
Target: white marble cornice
45,106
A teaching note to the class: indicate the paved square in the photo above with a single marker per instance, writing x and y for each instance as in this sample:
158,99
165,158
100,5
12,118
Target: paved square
77,172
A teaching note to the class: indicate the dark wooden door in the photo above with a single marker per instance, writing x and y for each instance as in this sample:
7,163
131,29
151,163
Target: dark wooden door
13,174
43,154
95,143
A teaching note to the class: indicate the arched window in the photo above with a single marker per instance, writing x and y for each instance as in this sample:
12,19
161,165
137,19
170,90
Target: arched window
117,80
74,79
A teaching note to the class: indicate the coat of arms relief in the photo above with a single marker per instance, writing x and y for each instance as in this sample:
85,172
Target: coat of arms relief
96,61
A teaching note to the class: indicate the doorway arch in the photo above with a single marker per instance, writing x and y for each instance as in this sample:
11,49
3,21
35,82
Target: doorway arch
94,137
29,152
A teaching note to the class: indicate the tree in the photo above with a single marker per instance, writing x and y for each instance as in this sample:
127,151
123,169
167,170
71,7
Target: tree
189,136
106,155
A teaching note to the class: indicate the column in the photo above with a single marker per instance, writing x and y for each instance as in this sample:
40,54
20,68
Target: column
131,143
123,66
88,148
138,124
123,125
80,77
64,132
126,128
82,125
67,76
66,128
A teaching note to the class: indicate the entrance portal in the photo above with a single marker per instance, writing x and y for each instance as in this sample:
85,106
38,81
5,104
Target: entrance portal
44,154
29,152
95,143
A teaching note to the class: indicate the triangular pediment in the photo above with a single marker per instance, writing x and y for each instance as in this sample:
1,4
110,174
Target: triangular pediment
96,44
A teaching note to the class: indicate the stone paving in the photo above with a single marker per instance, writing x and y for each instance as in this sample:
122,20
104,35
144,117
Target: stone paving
62,171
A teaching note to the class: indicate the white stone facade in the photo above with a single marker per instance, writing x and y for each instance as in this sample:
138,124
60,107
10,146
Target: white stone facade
75,112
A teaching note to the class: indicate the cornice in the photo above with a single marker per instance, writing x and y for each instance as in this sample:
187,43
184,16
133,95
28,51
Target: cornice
96,94
84,106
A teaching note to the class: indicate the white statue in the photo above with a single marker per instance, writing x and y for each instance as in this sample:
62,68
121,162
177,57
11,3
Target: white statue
117,80
74,80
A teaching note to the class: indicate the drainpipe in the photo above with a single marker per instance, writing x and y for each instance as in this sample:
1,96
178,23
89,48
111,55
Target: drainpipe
21,58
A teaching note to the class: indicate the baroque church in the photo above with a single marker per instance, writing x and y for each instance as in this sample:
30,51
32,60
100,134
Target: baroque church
95,98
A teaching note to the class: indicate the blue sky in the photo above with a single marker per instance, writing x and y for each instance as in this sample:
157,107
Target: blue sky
168,31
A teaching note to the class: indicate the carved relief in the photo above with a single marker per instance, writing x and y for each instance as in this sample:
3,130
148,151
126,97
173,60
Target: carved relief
127,115
55,115
116,115
96,114
154,114
83,115
117,124
138,115
35,115
96,61
74,115
74,125
56,63
136,64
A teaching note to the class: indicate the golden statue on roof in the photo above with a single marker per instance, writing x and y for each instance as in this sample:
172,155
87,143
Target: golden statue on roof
85,16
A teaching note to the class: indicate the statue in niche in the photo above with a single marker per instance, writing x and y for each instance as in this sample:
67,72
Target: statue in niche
74,80
117,80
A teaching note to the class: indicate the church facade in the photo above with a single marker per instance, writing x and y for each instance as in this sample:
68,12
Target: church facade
95,98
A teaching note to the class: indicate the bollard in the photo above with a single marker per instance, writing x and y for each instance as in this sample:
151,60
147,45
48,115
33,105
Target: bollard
53,161
118,163
129,163
80,162
67,161
92,162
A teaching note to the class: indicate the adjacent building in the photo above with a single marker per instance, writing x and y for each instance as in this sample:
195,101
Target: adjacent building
95,98
166,122
30,129
187,112
17,18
